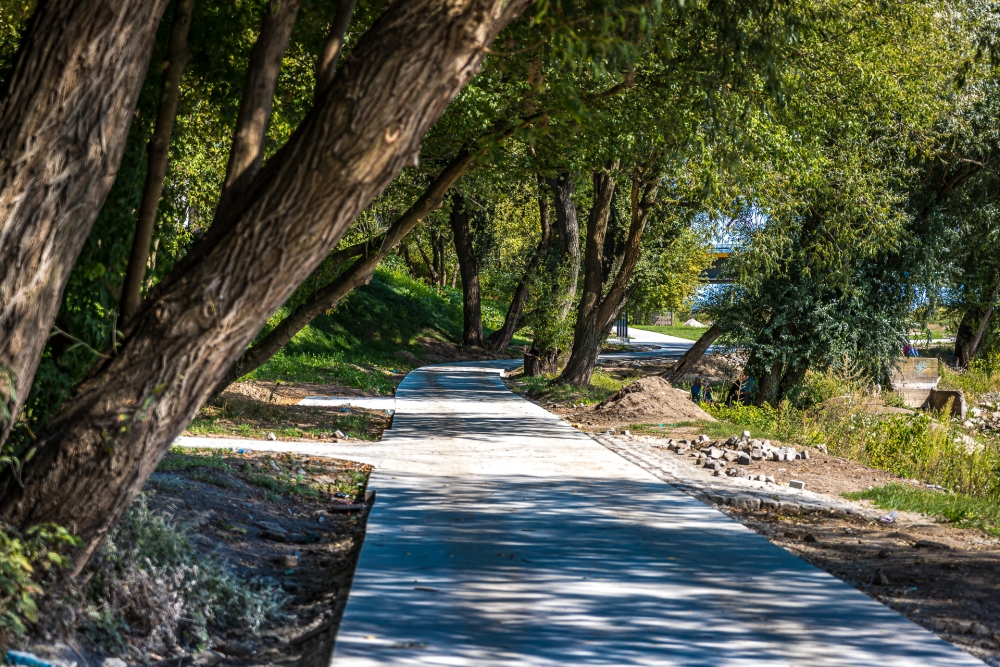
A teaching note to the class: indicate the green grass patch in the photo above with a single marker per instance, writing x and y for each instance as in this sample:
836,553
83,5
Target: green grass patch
714,430
543,387
354,344
181,458
691,333
958,509
982,376
783,423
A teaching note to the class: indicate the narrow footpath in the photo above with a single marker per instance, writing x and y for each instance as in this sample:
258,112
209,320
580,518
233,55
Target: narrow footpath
503,536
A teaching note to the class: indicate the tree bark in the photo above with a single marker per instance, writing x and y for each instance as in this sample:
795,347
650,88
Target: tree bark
326,68
359,273
568,230
794,374
255,106
694,354
158,153
972,348
472,313
593,319
500,339
98,450
770,383
64,120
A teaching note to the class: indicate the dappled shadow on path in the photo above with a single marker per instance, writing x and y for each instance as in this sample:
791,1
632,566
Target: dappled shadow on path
506,553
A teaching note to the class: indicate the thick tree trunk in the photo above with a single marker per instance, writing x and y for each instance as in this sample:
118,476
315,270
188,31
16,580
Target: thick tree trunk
972,348
472,313
769,383
568,230
64,119
255,106
158,152
500,339
794,375
359,273
99,449
691,358
596,318
966,330
326,68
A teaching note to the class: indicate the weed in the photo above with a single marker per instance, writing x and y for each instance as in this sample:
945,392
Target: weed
602,385
982,376
782,423
956,508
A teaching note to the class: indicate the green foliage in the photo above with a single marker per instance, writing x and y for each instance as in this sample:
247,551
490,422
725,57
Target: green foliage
982,376
149,589
914,446
24,560
959,509
783,423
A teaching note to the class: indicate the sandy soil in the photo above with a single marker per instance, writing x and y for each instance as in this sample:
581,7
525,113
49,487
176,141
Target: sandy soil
649,399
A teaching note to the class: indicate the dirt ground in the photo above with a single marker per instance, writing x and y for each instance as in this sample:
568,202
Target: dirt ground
302,532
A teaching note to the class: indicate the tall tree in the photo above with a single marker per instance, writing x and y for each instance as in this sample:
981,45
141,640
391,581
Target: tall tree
472,315
97,451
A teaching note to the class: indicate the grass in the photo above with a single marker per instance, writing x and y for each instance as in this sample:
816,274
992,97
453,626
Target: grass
716,430
542,387
691,333
982,376
959,509
354,344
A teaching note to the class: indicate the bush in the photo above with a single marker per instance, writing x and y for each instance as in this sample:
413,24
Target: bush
982,376
148,589
23,559
781,423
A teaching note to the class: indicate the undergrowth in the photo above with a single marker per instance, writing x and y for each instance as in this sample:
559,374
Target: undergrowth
149,591
602,385
982,376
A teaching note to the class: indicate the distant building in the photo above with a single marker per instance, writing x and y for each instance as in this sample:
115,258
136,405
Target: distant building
665,319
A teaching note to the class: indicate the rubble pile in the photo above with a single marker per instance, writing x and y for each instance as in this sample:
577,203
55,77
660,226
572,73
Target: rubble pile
726,456
985,415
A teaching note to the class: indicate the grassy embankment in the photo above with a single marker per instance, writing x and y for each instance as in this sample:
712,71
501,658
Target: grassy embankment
690,333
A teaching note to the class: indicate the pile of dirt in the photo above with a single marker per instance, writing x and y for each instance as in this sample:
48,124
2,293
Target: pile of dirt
651,399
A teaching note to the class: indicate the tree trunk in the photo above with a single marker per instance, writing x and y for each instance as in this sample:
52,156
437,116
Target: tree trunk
326,68
594,320
691,358
500,339
359,273
64,120
472,314
431,264
98,450
769,383
966,330
158,152
568,229
794,375
972,348
256,104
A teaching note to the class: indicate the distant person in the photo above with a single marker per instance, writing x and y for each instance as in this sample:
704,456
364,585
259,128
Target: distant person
708,393
696,390
742,390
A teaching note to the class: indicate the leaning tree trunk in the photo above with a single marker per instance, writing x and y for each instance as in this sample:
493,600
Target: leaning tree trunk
359,273
472,313
247,150
326,68
694,354
972,347
98,450
158,152
500,339
64,120
593,320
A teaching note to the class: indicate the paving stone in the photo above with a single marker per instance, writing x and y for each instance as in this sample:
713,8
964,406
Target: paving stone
796,484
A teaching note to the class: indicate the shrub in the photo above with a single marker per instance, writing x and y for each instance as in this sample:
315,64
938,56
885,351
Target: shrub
148,589
781,423
23,558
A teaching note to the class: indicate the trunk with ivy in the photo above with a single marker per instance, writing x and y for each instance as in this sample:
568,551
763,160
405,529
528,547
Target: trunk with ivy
98,450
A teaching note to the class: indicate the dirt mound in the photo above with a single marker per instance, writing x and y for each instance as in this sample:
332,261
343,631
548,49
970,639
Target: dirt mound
652,399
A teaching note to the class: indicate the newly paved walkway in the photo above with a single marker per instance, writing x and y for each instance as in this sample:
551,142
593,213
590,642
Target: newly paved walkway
502,536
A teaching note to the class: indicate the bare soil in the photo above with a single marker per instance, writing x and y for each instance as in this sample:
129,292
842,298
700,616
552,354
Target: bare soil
649,399
299,535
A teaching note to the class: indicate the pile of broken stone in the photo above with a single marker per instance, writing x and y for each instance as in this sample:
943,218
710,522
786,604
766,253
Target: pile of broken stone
985,416
717,455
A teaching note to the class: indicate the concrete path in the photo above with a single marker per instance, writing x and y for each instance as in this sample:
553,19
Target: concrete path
502,536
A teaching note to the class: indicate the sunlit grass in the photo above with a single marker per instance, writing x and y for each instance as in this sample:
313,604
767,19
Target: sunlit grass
602,385
691,333
958,509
